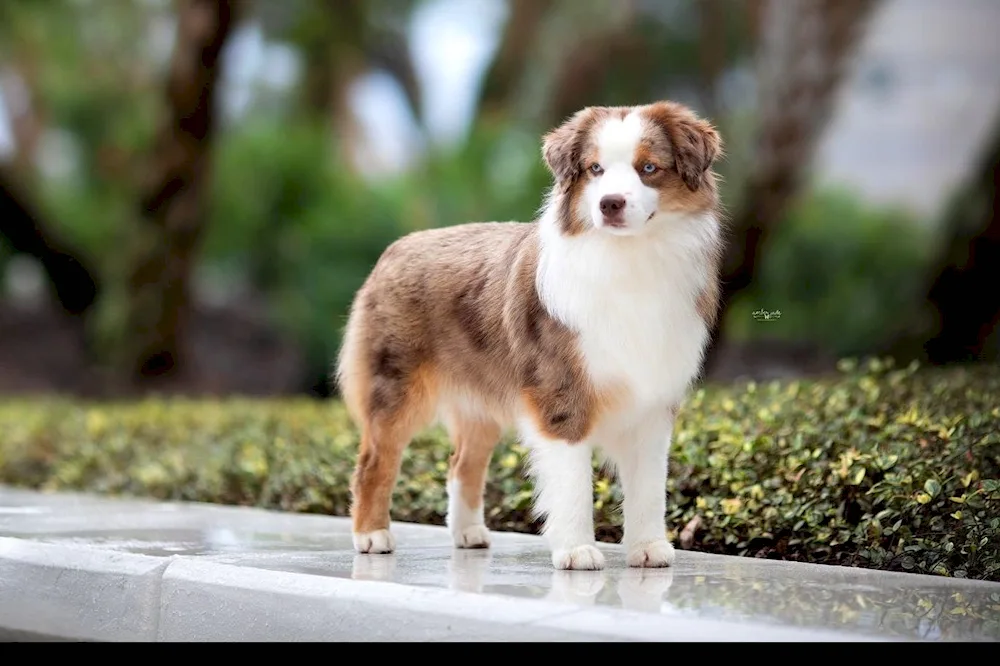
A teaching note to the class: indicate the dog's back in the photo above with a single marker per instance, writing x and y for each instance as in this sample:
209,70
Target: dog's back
432,312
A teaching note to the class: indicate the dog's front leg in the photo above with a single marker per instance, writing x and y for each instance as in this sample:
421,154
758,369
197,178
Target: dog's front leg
564,495
642,469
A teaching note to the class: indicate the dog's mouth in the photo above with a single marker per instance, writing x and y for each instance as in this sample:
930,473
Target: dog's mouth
619,223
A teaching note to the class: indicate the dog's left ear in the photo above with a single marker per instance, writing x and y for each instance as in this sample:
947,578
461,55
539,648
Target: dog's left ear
562,146
695,143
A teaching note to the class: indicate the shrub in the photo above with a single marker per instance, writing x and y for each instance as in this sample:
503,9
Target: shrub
885,468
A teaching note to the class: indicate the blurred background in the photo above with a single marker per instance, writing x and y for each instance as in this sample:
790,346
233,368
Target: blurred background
192,190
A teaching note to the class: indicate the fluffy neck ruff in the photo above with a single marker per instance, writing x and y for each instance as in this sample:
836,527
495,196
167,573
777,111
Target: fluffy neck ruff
681,248
633,299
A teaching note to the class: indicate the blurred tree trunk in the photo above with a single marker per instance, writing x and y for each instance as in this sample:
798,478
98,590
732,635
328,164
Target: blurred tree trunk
340,44
966,292
755,14
803,48
73,283
393,56
387,47
171,205
712,56
332,53
27,118
524,24
588,59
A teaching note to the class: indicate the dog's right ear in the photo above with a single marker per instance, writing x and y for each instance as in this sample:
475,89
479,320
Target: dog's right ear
561,148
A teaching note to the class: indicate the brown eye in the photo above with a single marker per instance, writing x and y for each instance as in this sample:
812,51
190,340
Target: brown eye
648,168
596,169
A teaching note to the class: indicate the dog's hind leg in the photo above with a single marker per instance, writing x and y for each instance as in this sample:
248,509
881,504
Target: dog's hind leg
474,440
400,404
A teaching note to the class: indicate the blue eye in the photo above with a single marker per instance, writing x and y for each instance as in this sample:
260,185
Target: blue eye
596,168
649,168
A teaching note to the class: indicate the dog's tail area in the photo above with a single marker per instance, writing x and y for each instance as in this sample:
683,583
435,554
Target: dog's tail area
351,374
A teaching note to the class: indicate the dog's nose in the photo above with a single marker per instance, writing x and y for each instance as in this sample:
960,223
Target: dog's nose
612,204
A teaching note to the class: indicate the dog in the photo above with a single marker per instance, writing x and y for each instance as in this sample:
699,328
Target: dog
583,329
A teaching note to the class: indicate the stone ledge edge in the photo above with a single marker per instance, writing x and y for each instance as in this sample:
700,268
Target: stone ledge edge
142,581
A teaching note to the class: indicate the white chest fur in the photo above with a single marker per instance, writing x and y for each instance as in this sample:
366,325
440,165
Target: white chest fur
632,301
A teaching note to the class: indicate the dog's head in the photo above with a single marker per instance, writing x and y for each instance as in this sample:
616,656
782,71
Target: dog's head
620,168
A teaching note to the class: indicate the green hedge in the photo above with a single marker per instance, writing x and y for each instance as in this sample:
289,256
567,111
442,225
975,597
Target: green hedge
878,467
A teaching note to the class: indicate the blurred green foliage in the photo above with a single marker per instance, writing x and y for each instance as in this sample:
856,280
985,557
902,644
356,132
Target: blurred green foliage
880,467
840,272
286,218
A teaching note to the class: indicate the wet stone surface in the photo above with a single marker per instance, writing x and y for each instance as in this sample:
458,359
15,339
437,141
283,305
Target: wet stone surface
856,601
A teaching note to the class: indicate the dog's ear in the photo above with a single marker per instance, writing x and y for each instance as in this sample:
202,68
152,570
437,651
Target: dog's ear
562,147
694,142
696,147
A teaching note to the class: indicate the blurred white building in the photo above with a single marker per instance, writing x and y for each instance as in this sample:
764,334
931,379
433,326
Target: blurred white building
921,100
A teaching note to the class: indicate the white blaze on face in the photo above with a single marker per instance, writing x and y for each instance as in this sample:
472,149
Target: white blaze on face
617,141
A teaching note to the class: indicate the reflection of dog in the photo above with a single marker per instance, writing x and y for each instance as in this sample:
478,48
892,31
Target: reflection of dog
575,587
373,568
643,589
467,569
638,589
585,326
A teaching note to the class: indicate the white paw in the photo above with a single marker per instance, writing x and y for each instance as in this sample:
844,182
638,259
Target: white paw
473,536
578,558
653,554
379,541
